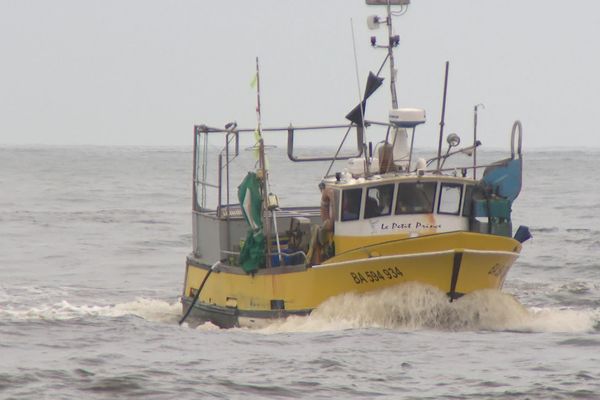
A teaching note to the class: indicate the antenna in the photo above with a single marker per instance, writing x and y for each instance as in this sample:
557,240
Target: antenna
373,22
268,205
362,108
442,121
475,109
393,42
262,167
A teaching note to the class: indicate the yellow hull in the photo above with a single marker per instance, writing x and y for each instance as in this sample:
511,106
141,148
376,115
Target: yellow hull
456,263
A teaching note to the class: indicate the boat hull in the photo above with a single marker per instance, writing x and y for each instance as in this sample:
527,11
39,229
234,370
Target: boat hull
456,263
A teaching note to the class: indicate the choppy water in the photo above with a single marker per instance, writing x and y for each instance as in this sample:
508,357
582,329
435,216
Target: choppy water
92,250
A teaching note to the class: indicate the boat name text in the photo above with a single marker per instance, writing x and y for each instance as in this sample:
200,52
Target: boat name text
376,275
409,225
498,270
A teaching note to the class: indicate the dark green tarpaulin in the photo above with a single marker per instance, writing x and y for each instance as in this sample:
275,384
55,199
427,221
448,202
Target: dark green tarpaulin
252,255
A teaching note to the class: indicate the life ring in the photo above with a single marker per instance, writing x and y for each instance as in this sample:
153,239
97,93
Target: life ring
326,209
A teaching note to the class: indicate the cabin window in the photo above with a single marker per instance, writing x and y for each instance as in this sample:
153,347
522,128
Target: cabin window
450,195
468,201
415,198
379,201
351,204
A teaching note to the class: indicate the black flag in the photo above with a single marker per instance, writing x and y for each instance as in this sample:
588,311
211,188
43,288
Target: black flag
373,83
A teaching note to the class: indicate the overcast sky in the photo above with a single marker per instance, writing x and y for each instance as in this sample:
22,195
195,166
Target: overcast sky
143,72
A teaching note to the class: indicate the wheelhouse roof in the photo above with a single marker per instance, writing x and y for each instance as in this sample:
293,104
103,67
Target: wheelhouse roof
395,178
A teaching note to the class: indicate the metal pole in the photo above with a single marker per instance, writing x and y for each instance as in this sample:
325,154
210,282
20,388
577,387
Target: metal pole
204,169
220,177
277,238
360,96
267,221
412,141
439,155
475,109
263,169
227,200
391,56
195,173
227,170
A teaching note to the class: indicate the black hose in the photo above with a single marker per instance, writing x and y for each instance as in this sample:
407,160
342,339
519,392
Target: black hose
189,310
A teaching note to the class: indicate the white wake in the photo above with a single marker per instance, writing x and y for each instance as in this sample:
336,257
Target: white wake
415,306
148,309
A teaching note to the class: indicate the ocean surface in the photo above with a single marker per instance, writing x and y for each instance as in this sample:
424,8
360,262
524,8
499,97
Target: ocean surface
93,243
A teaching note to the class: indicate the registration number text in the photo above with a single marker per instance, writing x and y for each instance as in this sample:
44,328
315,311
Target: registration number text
376,275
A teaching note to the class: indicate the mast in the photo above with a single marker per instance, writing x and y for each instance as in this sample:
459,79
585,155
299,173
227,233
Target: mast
443,119
390,47
393,41
263,171
475,110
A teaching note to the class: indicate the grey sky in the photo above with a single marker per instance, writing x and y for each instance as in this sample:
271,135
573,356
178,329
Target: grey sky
143,72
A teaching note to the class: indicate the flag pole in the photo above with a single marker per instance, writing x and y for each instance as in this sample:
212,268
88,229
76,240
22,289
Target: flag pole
263,170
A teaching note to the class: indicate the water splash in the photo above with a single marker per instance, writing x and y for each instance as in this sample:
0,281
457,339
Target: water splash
562,320
407,307
151,310
148,309
415,306
207,327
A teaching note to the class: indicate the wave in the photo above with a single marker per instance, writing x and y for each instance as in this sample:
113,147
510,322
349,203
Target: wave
408,307
414,306
544,229
149,309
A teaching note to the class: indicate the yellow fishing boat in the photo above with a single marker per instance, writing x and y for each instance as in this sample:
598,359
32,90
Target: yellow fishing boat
384,219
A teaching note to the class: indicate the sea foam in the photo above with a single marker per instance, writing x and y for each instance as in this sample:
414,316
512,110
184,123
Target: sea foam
148,309
413,306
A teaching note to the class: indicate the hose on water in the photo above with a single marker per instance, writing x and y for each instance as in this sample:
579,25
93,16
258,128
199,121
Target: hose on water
197,296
